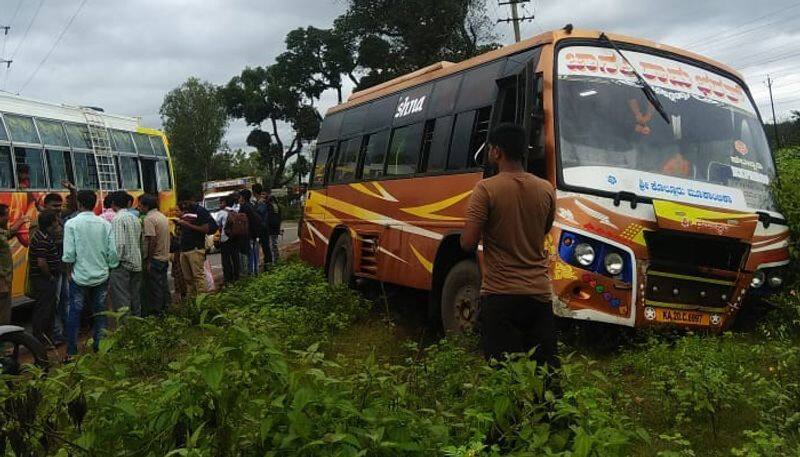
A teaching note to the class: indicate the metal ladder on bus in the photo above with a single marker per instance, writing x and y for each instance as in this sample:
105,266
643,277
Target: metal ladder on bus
100,140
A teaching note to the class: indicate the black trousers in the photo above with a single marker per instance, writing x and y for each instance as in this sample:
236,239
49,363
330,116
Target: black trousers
266,249
231,260
155,291
518,323
44,310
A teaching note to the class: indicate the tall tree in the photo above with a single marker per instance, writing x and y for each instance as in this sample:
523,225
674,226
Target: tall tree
273,95
195,121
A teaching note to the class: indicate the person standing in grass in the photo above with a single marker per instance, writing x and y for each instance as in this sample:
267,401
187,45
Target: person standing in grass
125,281
195,223
6,261
254,227
156,256
90,253
44,256
512,212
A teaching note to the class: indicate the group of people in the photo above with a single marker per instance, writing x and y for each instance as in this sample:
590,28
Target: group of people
249,222
77,259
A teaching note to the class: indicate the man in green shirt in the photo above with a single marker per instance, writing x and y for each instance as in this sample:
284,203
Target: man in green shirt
90,252
7,262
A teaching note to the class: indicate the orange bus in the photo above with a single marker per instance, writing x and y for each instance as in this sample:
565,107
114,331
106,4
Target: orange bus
94,150
658,156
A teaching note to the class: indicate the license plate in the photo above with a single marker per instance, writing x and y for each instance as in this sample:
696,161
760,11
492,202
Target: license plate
676,316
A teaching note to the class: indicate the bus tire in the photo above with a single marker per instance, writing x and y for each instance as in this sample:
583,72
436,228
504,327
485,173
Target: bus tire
11,365
461,297
340,268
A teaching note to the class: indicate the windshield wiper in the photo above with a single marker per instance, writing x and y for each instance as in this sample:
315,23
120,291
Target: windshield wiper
646,88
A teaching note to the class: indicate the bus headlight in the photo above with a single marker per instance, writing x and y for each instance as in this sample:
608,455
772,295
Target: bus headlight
775,280
613,263
584,254
758,280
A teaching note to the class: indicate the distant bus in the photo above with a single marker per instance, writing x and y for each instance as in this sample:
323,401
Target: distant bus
92,149
662,170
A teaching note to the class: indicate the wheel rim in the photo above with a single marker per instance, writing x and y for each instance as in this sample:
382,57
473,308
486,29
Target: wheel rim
12,357
466,307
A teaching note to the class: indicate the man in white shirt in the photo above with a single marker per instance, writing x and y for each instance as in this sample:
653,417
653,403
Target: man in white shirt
230,246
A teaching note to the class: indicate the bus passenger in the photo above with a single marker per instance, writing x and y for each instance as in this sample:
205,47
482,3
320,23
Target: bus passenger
24,175
6,262
512,212
155,231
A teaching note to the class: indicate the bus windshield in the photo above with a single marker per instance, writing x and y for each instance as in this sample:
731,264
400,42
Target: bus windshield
713,151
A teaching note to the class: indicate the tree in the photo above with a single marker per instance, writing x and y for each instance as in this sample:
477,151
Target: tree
273,95
195,121
301,167
393,37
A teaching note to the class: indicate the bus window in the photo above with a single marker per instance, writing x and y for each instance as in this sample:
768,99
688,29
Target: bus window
320,162
162,170
462,134
381,113
479,86
30,168
129,172
85,171
479,135
52,133
122,141
404,150
346,161
444,96
158,146
143,145
375,154
3,134
149,176
440,143
21,129
427,139
78,136
60,167
6,174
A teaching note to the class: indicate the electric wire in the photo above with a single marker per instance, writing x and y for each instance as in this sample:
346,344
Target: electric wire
16,11
28,29
706,38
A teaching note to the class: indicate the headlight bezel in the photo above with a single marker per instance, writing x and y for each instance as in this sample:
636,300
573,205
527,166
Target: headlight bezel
589,251
616,258
569,241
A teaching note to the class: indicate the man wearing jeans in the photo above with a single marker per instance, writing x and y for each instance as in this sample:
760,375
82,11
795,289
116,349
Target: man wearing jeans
512,212
125,281
195,223
89,252
156,256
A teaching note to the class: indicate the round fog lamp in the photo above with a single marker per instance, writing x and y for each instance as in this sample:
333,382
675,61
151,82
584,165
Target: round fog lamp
758,280
614,263
584,254
775,281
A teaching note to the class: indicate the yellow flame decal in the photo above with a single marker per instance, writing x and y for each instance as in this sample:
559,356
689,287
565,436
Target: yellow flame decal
382,193
428,211
425,262
670,210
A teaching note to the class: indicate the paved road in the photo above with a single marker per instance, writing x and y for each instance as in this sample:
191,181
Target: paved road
289,237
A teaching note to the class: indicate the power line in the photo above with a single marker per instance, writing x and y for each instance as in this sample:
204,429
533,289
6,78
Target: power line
515,18
52,48
715,43
28,29
16,11
716,36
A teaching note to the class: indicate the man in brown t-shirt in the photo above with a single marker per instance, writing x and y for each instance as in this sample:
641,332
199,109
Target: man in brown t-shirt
512,212
155,232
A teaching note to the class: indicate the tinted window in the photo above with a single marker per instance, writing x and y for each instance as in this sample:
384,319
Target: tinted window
3,134
479,86
129,172
427,140
329,130
31,163
381,113
85,171
52,133
318,176
404,150
516,63
444,96
412,105
440,144
158,146
374,154
6,175
353,122
462,135
163,175
143,145
21,129
480,133
59,166
78,136
346,160
122,141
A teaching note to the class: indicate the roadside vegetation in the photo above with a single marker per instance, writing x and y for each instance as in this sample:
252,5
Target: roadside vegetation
284,364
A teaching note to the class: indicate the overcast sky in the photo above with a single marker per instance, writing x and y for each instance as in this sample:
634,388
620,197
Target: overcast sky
125,55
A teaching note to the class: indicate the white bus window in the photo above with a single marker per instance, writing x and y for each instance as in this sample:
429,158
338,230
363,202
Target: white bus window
143,145
78,136
129,171
6,172
162,170
123,141
21,129
404,150
85,171
30,168
59,166
346,161
158,146
374,155
52,132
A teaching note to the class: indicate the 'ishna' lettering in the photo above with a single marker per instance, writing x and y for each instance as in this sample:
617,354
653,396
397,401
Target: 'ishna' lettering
406,106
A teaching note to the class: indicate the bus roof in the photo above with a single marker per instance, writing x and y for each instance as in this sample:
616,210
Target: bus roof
442,69
10,103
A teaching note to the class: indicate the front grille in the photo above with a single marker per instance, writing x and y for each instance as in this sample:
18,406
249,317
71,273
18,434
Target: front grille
664,287
691,252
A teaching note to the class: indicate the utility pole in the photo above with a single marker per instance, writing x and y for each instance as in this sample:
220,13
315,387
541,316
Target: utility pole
774,119
515,18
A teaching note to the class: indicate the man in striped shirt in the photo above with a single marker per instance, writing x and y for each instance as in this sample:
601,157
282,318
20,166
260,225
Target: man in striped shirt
45,259
125,281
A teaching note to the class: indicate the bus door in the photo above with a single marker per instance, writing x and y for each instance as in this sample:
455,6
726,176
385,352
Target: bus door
149,178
